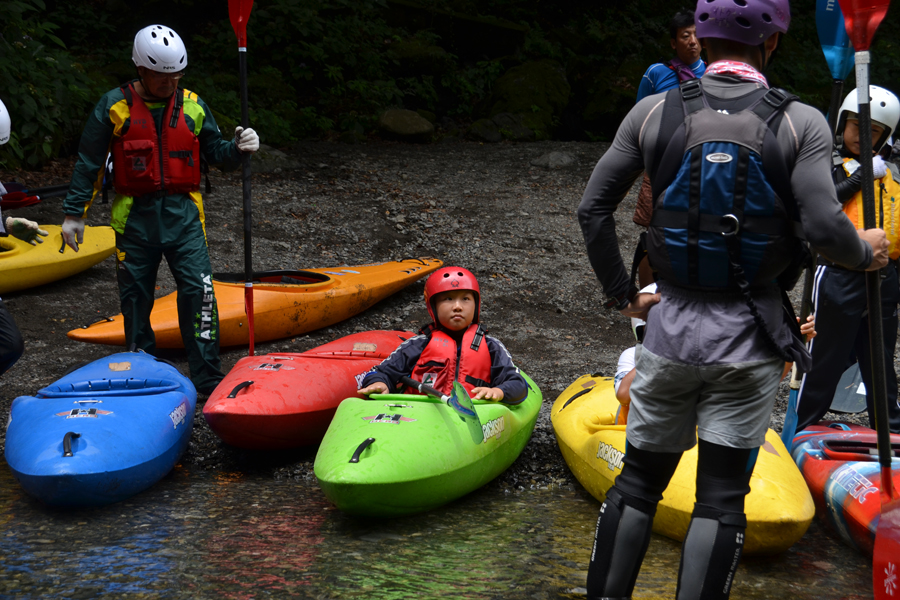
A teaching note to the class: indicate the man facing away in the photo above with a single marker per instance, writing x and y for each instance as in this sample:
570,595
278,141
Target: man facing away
717,332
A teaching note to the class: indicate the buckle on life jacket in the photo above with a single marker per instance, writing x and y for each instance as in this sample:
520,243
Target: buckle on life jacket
183,154
734,221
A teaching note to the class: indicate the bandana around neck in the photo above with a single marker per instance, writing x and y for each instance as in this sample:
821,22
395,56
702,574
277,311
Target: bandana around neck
738,69
682,70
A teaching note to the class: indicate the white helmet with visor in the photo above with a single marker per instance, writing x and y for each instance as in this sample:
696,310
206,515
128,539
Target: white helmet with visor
159,49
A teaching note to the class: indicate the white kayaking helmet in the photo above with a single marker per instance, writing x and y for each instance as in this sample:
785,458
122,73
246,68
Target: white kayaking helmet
4,124
637,325
883,106
160,49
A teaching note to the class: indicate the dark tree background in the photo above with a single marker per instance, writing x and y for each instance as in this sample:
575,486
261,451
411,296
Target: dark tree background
318,68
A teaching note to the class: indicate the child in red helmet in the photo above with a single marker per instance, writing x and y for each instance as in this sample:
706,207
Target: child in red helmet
453,347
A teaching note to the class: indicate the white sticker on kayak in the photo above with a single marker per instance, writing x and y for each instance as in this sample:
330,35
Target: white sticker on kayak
179,414
386,418
612,456
493,428
855,483
365,347
83,413
120,366
272,367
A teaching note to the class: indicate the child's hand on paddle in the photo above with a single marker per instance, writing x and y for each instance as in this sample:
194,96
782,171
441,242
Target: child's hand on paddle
487,393
379,387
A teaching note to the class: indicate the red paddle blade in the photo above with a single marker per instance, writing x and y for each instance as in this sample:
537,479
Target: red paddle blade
239,13
862,18
886,557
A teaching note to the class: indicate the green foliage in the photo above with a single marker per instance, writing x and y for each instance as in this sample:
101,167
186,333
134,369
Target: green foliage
319,66
44,90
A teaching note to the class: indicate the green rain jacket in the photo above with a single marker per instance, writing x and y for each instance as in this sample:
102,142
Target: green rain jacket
174,212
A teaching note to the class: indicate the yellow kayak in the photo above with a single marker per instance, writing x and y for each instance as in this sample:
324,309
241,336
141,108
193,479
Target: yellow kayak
779,507
23,266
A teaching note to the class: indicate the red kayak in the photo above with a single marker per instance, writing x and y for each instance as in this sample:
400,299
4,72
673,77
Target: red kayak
287,400
840,464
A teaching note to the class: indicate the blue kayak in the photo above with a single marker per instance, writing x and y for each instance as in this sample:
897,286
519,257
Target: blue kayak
103,432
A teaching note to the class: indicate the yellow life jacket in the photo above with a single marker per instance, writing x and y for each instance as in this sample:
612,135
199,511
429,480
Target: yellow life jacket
887,206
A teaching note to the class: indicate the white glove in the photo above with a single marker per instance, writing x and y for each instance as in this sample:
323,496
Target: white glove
879,167
73,231
246,140
25,230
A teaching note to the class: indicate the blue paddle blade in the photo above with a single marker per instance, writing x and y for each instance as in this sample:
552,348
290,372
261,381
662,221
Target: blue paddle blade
462,403
790,421
834,39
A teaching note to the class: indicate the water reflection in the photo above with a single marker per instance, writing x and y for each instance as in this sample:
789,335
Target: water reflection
226,536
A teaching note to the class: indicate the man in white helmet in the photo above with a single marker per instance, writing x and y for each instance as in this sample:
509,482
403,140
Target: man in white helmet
11,344
839,294
156,133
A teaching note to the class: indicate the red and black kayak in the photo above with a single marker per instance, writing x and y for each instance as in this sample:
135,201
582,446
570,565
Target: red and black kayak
840,464
287,400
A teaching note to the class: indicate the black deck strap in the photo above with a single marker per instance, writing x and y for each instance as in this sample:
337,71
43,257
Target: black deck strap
693,216
476,341
672,219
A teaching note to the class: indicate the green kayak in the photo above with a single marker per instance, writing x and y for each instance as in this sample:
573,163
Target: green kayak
398,454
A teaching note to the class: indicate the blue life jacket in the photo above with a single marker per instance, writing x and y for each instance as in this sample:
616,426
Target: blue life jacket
724,217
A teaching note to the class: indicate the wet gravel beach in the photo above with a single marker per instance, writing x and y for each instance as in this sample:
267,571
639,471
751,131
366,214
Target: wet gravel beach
484,207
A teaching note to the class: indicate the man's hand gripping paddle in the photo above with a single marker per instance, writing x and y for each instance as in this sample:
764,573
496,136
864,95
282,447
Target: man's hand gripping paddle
839,55
862,19
239,13
459,401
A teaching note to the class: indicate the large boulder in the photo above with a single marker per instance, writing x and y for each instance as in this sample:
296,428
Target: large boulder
484,130
536,91
406,125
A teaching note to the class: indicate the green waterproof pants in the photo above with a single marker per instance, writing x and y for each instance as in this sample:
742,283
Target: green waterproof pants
188,260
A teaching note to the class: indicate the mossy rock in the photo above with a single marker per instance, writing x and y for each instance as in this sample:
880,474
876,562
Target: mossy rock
538,91
405,125
417,58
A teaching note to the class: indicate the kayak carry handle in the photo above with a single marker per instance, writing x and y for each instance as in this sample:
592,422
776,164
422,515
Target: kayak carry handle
67,443
239,387
578,395
103,320
360,448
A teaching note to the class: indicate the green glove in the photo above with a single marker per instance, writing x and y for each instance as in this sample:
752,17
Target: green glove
25,230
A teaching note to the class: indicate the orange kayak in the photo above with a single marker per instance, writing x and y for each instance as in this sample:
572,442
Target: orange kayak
285,303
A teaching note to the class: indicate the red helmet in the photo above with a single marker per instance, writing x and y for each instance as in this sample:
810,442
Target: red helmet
449,279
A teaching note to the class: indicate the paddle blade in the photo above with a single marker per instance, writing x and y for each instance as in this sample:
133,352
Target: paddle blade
239,13
886,557
834,39
850,395
463,405
790,421
862,18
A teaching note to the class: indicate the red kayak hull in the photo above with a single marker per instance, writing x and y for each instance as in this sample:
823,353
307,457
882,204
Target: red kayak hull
840,465
291,397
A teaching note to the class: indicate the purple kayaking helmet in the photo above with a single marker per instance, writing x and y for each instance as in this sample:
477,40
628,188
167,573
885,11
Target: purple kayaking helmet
749,22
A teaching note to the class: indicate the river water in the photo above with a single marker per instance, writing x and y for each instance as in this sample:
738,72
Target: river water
200,534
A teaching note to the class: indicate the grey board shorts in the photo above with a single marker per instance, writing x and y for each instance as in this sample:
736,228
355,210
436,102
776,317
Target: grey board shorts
726,404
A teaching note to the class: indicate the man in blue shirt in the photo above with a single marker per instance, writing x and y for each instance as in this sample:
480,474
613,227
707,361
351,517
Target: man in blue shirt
687,64
659,78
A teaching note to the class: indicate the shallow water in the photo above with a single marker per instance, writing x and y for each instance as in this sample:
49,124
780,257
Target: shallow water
230,536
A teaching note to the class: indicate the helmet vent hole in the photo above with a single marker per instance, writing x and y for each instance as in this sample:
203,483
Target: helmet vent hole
741,3
446,274
766,18
703,18
151,59
153,34
165,41
742,22
883,104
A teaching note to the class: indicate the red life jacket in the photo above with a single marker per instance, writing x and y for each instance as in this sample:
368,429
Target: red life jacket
145,162
438,368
